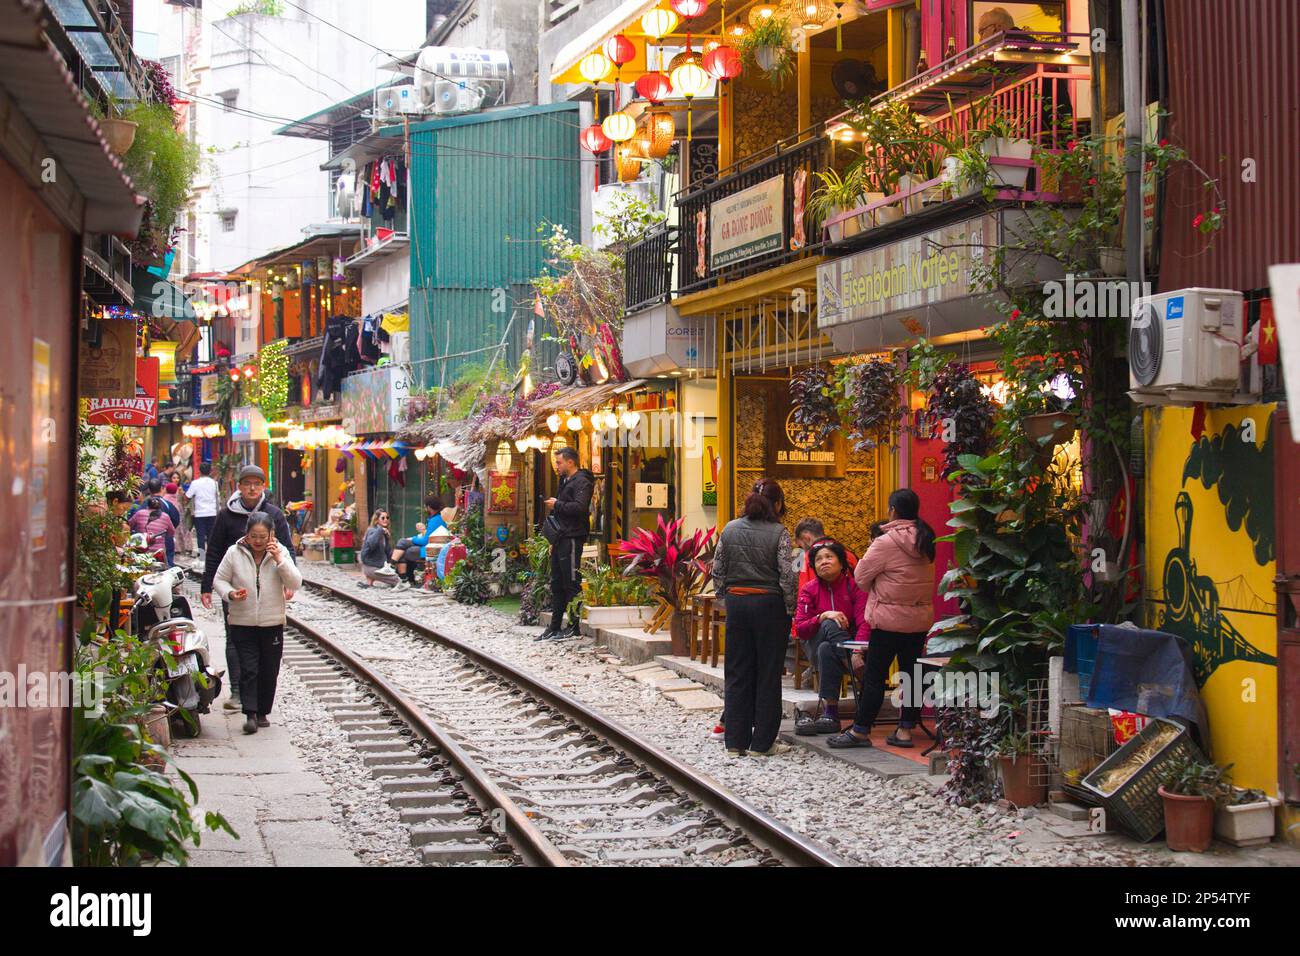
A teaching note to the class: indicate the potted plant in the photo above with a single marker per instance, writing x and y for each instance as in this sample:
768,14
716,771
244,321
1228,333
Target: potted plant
612,598
869,402
1191,790
1015,763
1002,135
836,194
812,397
956,408
678,569
768,45
1246,818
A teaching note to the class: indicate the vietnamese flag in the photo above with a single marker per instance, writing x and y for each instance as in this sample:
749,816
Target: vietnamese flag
1267,334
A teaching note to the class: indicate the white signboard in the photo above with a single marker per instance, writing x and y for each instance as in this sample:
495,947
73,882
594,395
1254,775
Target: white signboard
747,224
651,495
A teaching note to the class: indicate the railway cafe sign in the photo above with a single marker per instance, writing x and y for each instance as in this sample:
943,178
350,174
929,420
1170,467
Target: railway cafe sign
141,411
747,224
919,286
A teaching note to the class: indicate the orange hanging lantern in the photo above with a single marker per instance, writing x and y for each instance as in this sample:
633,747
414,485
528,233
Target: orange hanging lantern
660,129
654,86
594,140
629,167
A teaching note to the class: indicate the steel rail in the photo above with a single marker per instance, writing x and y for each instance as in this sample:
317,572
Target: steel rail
764,830
520,832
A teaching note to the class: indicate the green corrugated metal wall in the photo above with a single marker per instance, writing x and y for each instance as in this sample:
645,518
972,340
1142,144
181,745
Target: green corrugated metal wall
480,186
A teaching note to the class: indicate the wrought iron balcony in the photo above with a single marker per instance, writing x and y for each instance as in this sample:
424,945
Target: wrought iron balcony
648,269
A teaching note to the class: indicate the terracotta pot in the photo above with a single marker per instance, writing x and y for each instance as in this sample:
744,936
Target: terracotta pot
120,134
1017,781
679,633
1060,425
1189,822
157,727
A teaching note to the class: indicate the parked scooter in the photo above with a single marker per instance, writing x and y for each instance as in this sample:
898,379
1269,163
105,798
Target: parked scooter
162,615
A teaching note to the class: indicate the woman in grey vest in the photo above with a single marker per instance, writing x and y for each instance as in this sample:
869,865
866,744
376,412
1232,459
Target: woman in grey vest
753,570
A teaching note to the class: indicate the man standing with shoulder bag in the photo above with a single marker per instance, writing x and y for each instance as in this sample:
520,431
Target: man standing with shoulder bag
567,527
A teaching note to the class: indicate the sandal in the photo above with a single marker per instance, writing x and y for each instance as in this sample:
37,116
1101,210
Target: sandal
847,739
895,741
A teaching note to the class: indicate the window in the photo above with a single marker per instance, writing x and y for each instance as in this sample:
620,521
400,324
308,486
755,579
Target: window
228,220
228,99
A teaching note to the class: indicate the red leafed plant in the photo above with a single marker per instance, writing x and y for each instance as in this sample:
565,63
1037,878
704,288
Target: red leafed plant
678,566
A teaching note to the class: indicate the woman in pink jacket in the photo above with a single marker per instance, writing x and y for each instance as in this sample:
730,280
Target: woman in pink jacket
830,611
897,574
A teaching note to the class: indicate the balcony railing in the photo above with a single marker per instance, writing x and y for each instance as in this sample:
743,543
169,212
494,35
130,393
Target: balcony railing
806,151
648,269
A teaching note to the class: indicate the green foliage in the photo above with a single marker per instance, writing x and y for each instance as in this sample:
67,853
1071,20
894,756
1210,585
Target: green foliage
896,143
273,378
868,401
773,32
605,586
626,220
162,163
265,8
1189,777
124,811
582,288
471,580
98,529
473,382
537,591
835,193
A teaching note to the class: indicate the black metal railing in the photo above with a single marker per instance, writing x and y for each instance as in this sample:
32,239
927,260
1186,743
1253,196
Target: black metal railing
648,269
803,151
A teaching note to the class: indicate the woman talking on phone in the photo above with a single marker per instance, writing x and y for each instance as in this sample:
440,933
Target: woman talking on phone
257,579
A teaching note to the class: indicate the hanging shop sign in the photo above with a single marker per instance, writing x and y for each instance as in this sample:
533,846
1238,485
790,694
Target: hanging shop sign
165,353
207,389
747,224
108,360
329,412
140,411
375,401
793,452
248,424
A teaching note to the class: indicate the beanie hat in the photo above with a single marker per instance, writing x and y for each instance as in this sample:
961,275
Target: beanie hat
251,471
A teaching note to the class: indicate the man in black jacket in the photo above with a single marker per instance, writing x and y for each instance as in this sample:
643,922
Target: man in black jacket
571,507
227,529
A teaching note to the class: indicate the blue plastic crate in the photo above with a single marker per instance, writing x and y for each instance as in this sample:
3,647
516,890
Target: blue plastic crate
1082,642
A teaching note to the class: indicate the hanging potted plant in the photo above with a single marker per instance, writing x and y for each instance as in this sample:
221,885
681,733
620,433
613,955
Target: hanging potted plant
956,408
768,44
869,403
1191,791
834,195
812,396
678,569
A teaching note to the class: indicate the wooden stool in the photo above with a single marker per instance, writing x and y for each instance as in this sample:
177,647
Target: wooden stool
700,611
717,632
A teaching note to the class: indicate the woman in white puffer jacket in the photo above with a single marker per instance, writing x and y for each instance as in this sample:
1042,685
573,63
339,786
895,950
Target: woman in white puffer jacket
256,578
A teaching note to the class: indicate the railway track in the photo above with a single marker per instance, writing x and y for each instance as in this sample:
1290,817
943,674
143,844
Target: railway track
488,764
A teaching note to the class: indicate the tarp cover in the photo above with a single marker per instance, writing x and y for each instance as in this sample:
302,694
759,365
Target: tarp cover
1150,673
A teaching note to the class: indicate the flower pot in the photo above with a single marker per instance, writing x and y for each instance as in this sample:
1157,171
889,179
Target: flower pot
1018,785
912,203
1112,261
867,220
120,134
618,615
888,214
932,195
679,633
1189,822
1247,824
1014,177
768,58
1061,426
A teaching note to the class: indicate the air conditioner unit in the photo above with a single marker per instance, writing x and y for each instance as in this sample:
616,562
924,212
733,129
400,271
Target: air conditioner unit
457,97
487,72
1185,346
394,102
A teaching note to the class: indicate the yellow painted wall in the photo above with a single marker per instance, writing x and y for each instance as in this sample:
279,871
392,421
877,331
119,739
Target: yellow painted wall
1217,592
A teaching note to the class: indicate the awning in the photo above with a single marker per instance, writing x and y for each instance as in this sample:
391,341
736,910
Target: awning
564,66
577,400
160,299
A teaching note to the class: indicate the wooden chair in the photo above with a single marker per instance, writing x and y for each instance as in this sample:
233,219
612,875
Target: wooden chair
700,611
717,633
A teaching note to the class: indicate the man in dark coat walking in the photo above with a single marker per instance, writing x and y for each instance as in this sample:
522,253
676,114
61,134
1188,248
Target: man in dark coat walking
227,529
571,507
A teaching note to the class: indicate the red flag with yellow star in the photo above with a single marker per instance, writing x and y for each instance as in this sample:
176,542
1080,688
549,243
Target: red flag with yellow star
1267,334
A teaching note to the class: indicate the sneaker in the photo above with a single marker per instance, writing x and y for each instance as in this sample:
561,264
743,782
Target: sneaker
402,586
363,584
718,732
568,634
263,722
250,724
735,753
546,635
775,750
232,704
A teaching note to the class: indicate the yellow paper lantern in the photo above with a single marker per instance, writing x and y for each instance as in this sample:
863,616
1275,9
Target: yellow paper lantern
574,423
619,127
658,23
763,11
595,66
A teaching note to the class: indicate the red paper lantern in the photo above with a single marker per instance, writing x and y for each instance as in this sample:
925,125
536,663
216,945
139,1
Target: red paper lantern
594,140
723,63
654,86
619,49
689,8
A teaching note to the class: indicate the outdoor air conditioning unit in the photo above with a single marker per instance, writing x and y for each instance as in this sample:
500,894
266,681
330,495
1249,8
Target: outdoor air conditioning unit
1185,346
394,102
457,97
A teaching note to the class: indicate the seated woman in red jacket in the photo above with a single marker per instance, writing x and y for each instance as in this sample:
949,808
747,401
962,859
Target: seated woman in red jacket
830,611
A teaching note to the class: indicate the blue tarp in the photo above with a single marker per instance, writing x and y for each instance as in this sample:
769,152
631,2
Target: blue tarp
1149,673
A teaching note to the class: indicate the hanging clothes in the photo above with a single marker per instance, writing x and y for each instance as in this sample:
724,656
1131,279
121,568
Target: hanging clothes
339,356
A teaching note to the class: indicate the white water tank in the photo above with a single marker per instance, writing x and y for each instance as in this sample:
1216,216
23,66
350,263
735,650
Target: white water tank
479,78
